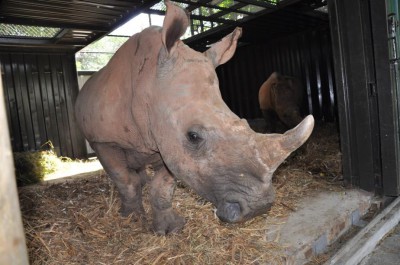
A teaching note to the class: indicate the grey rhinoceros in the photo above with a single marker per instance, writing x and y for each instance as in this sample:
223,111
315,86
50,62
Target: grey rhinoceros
157,102
281,99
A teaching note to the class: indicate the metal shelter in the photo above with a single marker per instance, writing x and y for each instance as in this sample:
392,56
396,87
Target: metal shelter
338,48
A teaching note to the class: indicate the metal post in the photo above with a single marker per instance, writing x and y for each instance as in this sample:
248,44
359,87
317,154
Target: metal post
12,239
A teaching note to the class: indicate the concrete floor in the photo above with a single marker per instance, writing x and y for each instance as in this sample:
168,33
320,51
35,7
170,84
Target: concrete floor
318,222
387,252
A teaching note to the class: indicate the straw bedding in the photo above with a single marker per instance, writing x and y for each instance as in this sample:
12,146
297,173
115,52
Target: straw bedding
77,222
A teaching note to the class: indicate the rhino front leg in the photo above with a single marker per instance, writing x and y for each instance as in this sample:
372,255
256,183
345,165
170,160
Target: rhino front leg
165,219
128,182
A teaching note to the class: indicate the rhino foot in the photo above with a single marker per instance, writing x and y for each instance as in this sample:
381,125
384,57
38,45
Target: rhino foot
167,222
137,213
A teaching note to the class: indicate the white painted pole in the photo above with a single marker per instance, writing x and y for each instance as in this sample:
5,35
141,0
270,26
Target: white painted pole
12,237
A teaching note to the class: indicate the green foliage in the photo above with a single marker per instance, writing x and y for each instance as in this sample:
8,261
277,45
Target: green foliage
31,167
226,3
97,54
92,61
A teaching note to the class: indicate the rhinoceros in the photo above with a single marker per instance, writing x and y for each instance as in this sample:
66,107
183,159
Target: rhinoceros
157,102
281,99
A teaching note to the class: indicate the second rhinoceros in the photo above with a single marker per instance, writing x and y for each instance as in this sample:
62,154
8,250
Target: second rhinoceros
281,100
157,102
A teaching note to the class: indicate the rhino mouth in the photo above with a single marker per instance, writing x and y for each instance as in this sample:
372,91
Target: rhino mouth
233,212
229,212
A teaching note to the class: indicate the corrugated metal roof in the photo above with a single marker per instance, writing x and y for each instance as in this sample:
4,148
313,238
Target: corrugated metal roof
83,21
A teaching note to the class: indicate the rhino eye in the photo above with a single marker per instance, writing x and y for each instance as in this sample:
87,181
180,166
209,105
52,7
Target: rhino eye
194,137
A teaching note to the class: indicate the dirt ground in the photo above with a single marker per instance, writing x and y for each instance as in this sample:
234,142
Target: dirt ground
77,222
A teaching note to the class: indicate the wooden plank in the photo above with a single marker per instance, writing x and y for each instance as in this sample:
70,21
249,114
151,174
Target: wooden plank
32,59
3,59
16,140
48,101
29,105
15,63
35,133
64,109
57,99
12,237
15,130
49,86
65,114
71,93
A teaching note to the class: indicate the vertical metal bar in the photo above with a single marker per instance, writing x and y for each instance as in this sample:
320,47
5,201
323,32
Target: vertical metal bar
31,95
342,91
388,89
12,238
17,75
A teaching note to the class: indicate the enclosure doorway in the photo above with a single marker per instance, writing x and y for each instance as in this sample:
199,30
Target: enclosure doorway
367,93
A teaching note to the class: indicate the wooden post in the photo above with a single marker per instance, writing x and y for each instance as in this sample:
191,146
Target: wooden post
12,236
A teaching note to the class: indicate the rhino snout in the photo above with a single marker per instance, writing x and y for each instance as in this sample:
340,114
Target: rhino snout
229,212
233,212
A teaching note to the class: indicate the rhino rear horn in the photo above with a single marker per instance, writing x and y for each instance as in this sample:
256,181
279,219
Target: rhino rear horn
175,24
222,51
275,148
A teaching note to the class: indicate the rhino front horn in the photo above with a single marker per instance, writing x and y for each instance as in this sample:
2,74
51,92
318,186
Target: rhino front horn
294,138
277,147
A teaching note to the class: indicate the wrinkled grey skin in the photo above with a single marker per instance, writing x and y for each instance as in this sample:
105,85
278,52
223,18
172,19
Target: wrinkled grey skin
157,102
281,99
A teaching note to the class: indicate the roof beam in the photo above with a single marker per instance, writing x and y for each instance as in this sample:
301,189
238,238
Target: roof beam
198,17
62,6
257,3
38,21
206,5
25,41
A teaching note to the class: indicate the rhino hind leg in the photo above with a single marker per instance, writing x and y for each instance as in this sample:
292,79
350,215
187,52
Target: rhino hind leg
128,182
165,219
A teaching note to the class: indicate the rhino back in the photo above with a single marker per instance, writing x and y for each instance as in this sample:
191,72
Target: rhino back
264,95
111,106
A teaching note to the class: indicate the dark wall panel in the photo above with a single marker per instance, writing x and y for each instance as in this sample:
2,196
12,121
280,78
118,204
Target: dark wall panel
307,56
40,90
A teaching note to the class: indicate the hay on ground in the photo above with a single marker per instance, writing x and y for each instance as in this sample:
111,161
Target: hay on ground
78,222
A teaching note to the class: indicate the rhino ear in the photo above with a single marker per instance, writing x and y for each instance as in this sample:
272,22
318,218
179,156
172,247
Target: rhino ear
175,24
220,52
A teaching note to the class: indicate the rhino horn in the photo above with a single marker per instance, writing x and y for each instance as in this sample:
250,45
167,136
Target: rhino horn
175,24
275,148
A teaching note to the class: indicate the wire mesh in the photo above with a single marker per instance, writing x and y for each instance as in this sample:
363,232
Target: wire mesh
13,30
